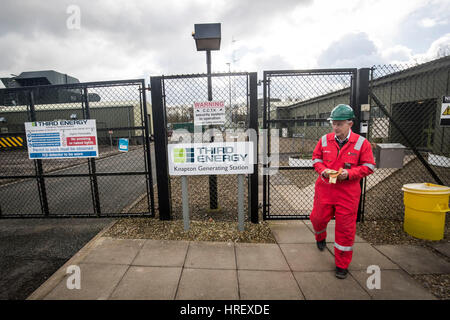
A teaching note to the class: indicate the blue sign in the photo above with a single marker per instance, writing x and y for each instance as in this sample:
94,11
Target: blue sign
123,145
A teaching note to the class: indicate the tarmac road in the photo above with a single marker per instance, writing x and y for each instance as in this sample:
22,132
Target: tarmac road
73,195
31,250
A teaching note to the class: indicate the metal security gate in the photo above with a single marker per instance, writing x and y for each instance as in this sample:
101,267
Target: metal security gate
406,102
173,99
297,104
114,184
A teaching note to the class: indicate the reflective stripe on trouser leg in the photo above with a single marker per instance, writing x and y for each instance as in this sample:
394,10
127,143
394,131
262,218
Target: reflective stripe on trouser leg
344,234
320,216
343,248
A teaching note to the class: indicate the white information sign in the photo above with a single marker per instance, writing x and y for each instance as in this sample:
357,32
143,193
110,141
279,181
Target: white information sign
210,158
209,113
61,139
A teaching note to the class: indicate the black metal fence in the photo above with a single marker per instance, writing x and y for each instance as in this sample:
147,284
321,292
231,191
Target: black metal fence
109,185
173,97
297,104
406,108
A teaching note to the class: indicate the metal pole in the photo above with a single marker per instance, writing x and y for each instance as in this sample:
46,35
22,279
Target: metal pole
185,201
162,170
94,182
147,151
253,178
212,178
241,202
361,97
208,71
40,172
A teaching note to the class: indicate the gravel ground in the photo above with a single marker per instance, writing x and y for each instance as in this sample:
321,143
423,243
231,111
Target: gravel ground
210,230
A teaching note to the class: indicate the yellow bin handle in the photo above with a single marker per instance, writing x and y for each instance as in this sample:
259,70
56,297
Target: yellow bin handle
439,209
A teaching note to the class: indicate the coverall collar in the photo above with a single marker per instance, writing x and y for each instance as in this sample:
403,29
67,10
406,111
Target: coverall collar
346,139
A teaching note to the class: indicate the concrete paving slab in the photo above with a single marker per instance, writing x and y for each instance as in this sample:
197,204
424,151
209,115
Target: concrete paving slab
268,285
162,253
114,251
97,283
211,255
394,285
443,247
148,283
365,255
415,259
325,286
306,257
208,284
292,233
261,256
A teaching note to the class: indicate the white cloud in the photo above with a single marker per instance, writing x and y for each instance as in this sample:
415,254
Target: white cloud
439,48
135,39
427,22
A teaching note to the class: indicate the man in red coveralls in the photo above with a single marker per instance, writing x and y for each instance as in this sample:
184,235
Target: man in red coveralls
352,154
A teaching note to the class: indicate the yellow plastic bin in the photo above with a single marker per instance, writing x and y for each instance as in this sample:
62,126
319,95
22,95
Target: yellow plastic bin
425,208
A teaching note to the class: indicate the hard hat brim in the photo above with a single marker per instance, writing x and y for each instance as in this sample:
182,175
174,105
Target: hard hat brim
339,118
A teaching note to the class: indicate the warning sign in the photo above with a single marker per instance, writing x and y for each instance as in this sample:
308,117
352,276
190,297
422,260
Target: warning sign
209,113
445,111
61,139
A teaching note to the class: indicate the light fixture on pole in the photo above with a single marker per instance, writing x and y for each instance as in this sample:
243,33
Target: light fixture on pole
207,37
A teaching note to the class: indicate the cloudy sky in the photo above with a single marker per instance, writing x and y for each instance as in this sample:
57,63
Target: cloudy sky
136,38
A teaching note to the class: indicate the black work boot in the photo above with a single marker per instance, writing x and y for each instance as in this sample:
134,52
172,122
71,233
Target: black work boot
321,244
341,273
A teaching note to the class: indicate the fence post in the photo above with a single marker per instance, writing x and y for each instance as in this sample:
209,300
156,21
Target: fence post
40,173
148,154
162,170
91,161
253,185
362,97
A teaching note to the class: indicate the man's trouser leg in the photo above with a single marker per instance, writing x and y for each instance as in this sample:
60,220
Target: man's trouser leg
344,235
320,216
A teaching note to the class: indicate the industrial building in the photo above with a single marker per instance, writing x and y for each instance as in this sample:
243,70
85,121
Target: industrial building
413,97
116,116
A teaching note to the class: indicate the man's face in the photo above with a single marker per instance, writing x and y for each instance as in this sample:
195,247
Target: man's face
341,127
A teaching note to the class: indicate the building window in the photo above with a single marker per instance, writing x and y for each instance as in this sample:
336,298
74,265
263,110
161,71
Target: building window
325,115
299,124
311,123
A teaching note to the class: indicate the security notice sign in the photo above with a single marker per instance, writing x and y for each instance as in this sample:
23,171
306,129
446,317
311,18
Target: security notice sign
209,113
61,139
445,111
210,158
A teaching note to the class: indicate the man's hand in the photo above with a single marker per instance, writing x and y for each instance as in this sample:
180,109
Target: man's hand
343,175
325,173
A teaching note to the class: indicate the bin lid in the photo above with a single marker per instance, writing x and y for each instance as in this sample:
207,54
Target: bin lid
391,146
428,188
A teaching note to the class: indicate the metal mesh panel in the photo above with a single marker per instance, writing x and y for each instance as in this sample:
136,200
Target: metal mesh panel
298,104
70,186
180,93
412,97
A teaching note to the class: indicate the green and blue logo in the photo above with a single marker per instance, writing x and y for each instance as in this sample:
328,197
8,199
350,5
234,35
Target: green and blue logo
183,155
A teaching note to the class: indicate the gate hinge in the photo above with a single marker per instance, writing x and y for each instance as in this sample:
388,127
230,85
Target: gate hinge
148,88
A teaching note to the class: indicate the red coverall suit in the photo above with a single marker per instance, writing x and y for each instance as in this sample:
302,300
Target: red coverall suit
340,200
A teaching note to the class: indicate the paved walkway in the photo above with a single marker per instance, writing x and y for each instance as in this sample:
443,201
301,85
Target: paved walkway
293,268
